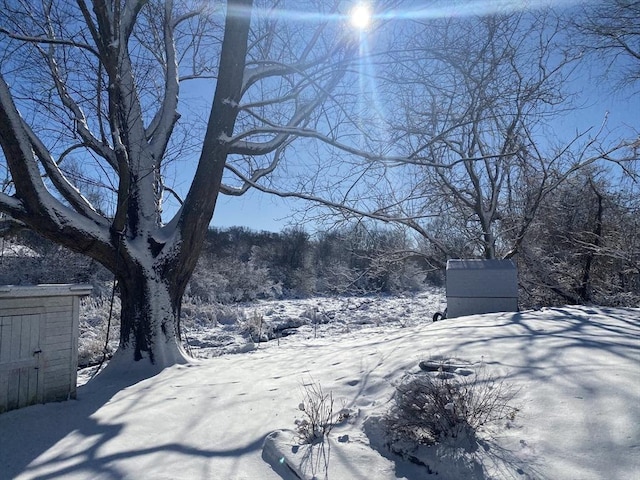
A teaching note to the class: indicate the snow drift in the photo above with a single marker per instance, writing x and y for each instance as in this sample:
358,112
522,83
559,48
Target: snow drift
576,369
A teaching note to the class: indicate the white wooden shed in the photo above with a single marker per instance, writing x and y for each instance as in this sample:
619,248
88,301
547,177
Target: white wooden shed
481,286
38,343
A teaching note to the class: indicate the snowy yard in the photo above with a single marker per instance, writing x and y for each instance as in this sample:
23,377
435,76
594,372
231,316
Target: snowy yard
575,371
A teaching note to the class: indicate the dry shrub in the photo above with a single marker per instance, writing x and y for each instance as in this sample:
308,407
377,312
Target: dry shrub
317,407
429,408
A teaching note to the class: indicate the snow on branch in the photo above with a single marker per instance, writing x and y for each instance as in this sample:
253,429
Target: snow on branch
11,205
161,126
70,193
50,41
80,119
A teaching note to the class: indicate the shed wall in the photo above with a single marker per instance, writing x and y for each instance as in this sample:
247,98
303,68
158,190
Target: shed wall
38,344
481,286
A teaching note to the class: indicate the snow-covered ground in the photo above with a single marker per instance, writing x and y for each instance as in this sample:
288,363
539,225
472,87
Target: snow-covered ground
243,327
575,371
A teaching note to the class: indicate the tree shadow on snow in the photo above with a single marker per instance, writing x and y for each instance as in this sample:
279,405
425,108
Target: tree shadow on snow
27,435
542,348
469,459
586,352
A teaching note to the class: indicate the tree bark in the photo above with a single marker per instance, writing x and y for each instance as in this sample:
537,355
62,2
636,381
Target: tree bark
585,285
149,319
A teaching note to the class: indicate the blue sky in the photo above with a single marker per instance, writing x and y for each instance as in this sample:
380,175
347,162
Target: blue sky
256,210
595,100
260,211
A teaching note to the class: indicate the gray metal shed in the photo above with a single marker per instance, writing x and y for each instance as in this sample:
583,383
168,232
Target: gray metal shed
38,343
481,286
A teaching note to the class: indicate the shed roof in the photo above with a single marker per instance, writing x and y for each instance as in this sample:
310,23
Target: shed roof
488,264
45,290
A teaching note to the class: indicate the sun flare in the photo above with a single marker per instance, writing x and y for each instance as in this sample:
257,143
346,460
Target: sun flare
360,16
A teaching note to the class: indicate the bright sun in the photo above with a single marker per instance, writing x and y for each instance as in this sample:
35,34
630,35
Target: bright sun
360,16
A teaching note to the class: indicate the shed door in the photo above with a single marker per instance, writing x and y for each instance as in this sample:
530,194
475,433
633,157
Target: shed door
20,384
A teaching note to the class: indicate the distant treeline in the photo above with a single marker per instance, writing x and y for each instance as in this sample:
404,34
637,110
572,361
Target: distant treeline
586,251
239,264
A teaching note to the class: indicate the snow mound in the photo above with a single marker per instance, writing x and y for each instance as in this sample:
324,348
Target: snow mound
576,370
329,458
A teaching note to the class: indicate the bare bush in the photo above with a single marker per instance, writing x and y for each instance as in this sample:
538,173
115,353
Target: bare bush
256,328
94,322
430,408
317,407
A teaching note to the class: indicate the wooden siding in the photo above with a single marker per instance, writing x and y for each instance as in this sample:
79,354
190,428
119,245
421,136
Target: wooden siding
38,344
19,364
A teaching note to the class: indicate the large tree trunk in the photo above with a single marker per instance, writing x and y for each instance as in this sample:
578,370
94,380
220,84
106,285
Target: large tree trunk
149,323
149,320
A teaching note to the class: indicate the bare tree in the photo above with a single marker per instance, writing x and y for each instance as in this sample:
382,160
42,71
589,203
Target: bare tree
462,123
483,121
583,247
98,83
611,30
